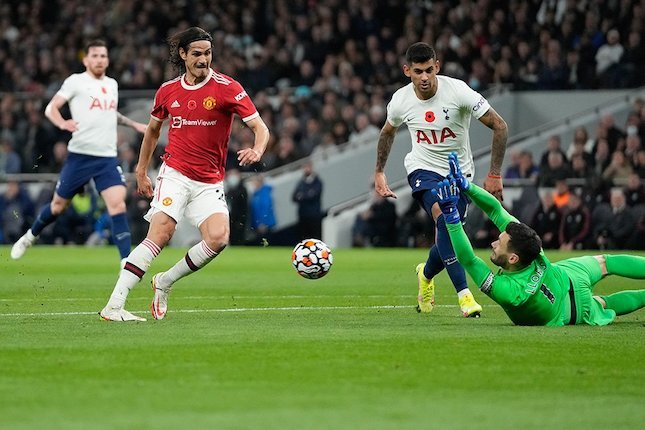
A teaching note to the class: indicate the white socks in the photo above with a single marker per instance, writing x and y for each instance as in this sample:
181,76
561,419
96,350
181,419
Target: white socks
135,267
197,257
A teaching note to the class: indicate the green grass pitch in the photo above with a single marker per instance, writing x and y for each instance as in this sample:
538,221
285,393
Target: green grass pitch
248,344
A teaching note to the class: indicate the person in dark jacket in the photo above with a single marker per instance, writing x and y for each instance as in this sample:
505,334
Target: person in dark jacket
307,195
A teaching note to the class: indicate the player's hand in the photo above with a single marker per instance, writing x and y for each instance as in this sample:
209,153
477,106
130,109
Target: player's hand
455,172
493,184
381,186
447,194
144,186
139,127
248,156
69,125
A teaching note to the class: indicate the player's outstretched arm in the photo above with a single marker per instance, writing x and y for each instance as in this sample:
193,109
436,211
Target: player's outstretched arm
447,194
491,206
124,120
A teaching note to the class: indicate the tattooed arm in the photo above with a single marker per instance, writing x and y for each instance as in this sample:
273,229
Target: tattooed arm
385,141
493,181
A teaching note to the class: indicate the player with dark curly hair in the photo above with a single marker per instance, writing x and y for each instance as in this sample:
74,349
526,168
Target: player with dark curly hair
531,289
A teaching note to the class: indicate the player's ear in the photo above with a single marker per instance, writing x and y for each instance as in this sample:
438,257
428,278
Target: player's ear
406,70
513,258
437,66
183,54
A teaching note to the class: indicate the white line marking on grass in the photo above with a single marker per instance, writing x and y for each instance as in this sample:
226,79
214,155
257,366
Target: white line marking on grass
228,296
190,311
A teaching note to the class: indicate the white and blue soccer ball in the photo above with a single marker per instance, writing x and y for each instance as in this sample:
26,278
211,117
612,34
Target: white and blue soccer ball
312,258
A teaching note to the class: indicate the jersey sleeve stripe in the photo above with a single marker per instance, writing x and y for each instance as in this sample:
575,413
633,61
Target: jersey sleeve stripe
250,117
157,119
220,79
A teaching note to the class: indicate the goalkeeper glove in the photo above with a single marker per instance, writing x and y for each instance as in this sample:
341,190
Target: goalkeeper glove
447,195
455,172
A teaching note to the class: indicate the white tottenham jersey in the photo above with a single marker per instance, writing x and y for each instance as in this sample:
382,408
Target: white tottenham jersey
93,104
438,125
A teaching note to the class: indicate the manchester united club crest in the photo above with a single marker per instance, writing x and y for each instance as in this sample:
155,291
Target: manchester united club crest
209,103
167,201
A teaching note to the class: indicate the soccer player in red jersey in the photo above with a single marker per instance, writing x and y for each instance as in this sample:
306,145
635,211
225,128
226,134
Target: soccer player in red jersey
200,105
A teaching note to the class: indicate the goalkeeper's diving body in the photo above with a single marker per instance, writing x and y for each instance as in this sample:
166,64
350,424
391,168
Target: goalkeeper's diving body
531,289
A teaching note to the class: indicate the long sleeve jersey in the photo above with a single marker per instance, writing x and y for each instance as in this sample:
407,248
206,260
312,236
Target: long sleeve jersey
535,295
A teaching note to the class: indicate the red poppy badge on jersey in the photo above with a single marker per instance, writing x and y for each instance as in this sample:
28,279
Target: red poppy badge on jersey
209,103
430,116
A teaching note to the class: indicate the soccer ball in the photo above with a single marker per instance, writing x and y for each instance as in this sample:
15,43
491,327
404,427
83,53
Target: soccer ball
312,258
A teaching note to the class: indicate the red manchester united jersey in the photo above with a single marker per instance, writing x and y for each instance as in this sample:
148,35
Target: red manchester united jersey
200,123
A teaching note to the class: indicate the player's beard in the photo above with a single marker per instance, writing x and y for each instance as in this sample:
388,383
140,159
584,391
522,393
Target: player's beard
499,260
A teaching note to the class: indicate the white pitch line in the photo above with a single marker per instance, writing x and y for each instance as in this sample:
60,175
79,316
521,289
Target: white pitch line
225,310
226,297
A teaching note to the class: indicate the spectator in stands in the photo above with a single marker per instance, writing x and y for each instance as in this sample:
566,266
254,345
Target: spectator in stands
546,221
76,224
312,137
59,155
16,212
480,229
286,152
581,142
621,225
640,168
602,157
580,169
127,157
607,60
522,167
553,144
555,169
380,221
308,197
618,170
327,147
561,194
9,159
416,230
634,191
607,128
262,214
632,146
575,224
633,60
237,200
553,73
513,170
36,142
364,131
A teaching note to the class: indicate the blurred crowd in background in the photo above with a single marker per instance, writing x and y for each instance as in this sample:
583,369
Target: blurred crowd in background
322,72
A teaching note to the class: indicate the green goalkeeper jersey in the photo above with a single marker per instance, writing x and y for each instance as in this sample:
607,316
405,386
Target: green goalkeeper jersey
535,295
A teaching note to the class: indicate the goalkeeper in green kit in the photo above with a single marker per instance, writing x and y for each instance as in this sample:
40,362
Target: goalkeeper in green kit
531,289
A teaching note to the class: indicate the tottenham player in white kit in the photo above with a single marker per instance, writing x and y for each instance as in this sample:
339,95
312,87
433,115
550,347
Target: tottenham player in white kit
92,154
437,111
200,106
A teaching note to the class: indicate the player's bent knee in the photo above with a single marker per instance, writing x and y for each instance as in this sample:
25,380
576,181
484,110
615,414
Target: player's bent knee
603,264
601,301
217,242
118,208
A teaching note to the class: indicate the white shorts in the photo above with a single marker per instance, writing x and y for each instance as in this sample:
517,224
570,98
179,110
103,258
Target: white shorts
177,196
